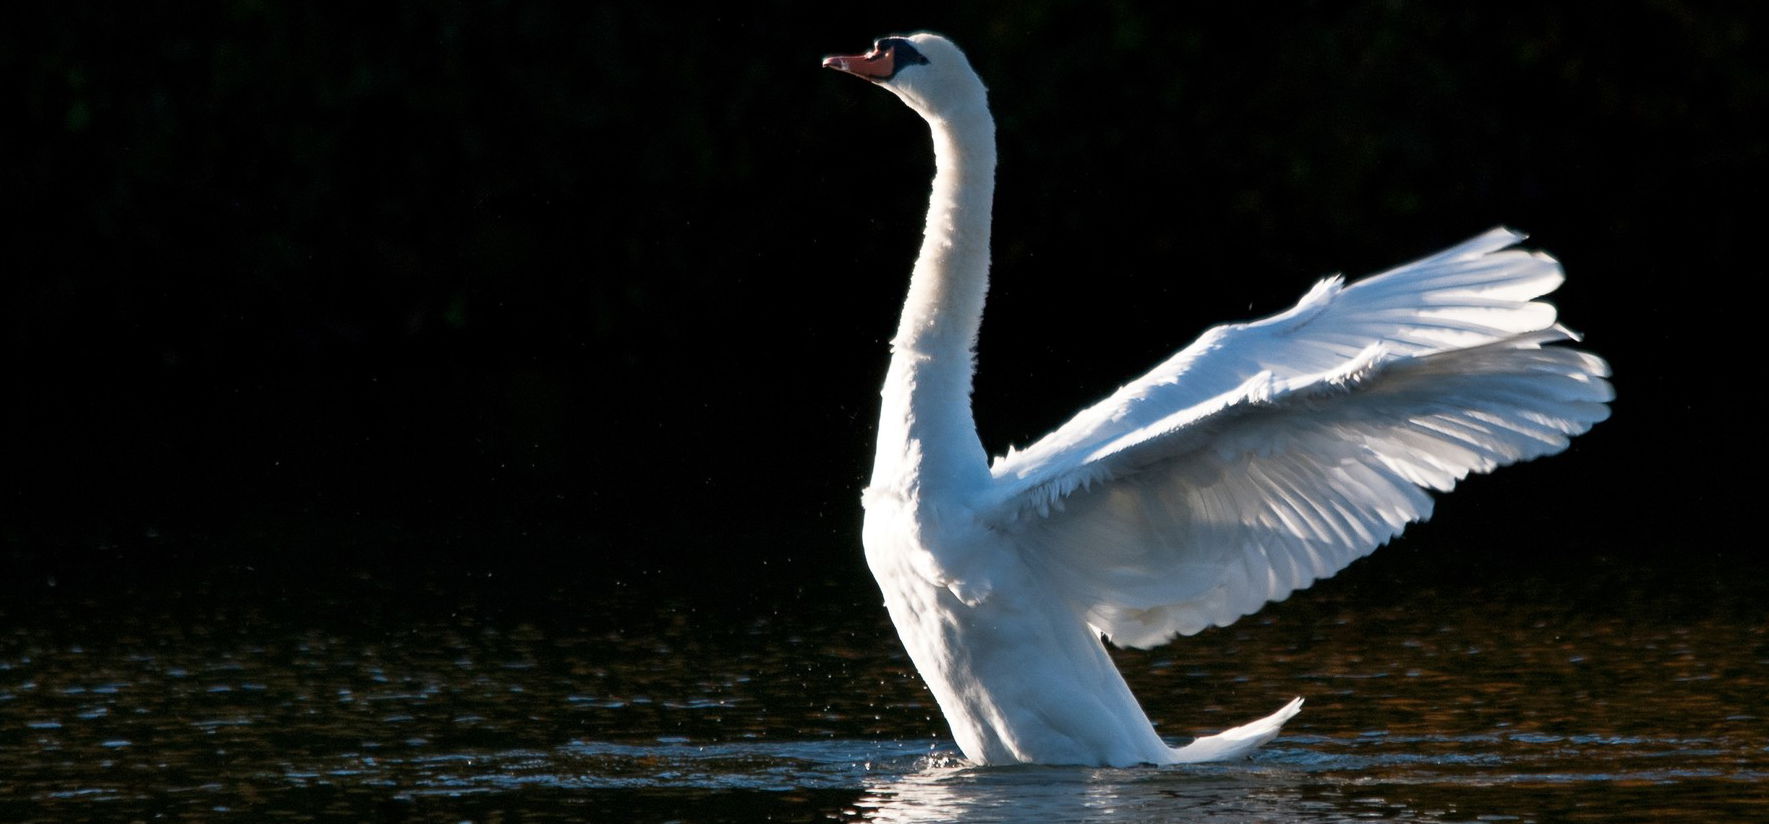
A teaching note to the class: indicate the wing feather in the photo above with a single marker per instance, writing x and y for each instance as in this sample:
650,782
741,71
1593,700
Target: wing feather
1227,479
1472,294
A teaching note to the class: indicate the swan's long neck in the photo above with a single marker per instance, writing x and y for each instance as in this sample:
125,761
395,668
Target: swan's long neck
927,436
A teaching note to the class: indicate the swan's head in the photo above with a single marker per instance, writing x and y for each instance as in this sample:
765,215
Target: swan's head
925,70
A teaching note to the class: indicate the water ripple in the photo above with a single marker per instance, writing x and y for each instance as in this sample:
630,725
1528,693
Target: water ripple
1562,715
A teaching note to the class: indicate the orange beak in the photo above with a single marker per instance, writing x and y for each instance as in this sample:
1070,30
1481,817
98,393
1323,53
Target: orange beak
875,65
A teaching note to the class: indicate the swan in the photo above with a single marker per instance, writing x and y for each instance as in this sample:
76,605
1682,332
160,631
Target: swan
1261,458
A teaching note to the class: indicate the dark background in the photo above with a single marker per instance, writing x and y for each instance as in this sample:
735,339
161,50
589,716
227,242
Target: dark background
602,290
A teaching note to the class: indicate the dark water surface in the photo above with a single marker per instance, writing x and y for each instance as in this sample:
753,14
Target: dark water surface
1618,694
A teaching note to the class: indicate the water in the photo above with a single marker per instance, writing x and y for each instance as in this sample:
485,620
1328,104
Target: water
1629,695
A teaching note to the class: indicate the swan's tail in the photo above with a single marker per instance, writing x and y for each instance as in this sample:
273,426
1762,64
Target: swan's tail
1237,742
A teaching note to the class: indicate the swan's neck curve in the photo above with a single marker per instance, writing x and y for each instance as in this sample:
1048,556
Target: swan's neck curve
927,435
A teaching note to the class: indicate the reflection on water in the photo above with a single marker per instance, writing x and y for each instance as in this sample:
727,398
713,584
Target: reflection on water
364,700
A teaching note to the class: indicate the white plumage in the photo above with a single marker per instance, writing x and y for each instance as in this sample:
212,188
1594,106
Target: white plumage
1261,458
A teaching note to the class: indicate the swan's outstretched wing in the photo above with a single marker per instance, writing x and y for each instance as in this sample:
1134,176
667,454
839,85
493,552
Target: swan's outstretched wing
1475,293
1202,514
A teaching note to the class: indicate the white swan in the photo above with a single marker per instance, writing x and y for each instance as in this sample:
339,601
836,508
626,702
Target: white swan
1259,459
